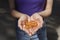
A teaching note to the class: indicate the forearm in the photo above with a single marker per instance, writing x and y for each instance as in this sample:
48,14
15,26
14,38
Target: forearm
16,14
48,9
45,13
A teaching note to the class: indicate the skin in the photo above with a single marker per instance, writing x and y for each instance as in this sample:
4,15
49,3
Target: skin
48,9
43,14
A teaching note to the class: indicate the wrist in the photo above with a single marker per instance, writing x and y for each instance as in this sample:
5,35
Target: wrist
39,14
45,13
16,14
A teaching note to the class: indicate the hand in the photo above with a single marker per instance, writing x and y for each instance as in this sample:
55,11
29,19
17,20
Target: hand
39,20
23,18
21,23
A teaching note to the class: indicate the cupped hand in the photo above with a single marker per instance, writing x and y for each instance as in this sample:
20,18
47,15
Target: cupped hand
21,23
39,19
35,17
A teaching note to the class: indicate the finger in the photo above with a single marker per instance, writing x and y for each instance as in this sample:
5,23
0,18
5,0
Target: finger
34,31
37,28
27,31
39,20
21,21
30,32
35,16
29,18
19,24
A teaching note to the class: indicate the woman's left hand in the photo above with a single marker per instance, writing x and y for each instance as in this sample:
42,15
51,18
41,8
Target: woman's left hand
39,20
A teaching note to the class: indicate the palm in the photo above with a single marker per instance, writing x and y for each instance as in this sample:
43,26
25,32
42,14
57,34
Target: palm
30,30
21,23
39,20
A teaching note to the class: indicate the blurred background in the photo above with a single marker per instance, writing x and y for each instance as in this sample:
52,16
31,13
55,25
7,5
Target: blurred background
8,24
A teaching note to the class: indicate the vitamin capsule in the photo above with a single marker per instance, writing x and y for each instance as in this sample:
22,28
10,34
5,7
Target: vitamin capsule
30,24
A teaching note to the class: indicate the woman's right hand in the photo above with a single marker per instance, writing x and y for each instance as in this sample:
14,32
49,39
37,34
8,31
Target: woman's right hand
21,20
